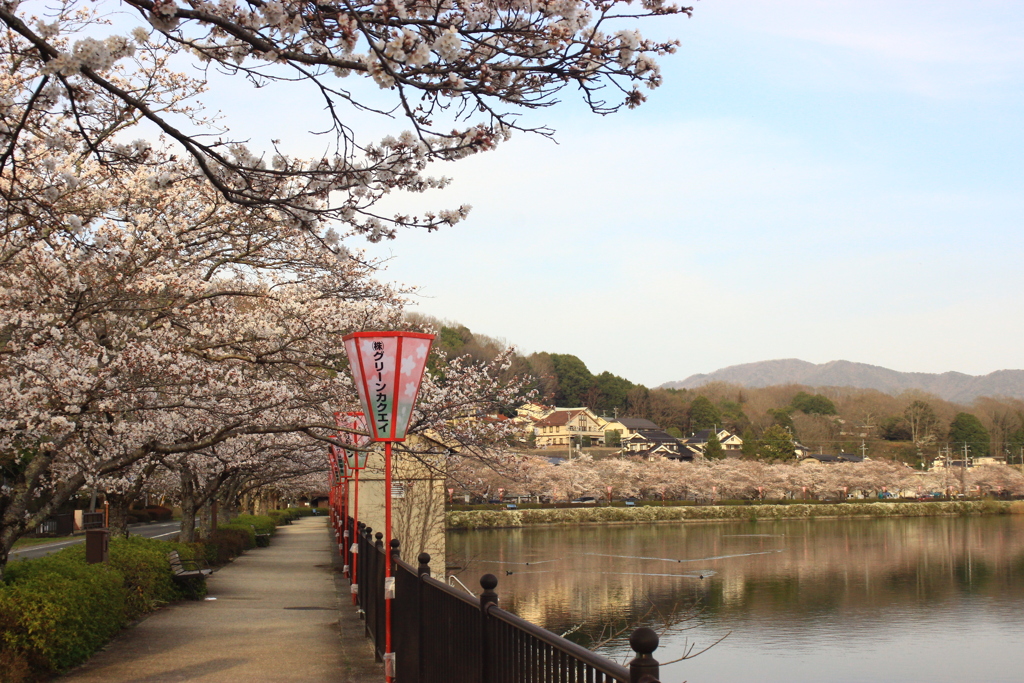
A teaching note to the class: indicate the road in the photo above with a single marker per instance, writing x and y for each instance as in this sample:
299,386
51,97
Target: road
163,530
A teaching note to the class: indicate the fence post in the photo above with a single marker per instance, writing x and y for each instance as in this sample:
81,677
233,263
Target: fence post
365,579
488,582
379,544
644,667
422,570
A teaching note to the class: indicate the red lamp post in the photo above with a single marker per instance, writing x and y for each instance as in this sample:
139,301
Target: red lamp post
354,460
334,480
387,368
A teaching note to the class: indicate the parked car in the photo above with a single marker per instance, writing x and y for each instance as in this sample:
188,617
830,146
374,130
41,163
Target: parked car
586,500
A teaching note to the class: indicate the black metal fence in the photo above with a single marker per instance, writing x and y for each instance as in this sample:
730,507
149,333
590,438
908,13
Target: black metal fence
59,525
442,634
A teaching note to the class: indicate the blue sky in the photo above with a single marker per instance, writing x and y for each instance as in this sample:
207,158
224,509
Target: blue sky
816,180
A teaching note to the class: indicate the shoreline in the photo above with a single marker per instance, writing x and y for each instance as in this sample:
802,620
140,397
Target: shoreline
512,519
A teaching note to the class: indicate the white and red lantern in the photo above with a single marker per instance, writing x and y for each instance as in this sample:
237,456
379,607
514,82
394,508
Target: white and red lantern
387,368
352,433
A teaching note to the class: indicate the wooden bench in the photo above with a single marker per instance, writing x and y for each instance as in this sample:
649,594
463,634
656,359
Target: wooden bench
262,539
188,573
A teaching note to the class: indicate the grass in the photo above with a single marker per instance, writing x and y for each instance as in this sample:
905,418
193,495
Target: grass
29,542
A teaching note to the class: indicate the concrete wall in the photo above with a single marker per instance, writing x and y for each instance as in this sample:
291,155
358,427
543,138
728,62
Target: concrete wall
418,517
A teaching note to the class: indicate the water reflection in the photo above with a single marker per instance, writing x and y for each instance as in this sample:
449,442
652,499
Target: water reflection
844,600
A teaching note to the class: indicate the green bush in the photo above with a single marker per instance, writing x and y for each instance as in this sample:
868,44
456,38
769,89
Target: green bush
305,511
138,516
228,542
264,524
159,513
144,566
57,610
280,517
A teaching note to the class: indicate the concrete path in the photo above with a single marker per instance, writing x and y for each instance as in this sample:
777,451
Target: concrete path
278,616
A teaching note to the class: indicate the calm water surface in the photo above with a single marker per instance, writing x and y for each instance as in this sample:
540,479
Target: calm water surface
929,599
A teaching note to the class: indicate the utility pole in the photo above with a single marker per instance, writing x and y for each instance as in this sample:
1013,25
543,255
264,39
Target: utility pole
863,449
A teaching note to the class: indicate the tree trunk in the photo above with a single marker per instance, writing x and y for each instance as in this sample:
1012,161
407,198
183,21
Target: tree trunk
118,522
188,509
188,520
205,519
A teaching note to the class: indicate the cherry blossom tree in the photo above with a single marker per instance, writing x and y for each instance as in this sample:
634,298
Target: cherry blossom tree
187,295
144,321
457,74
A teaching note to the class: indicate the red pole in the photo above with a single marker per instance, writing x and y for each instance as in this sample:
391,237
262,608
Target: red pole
387,550
343,526
355,539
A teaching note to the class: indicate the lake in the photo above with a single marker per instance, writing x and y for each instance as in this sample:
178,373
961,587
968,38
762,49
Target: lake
911,599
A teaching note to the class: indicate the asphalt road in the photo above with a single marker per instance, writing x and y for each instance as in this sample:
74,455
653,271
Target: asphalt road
164,530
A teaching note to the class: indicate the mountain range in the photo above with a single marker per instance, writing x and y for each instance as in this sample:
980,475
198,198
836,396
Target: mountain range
952,386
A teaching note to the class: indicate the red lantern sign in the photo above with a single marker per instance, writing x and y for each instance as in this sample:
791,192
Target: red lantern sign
353,459
387,368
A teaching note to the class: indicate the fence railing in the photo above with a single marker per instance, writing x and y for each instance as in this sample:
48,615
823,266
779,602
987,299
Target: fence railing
59,525
442,634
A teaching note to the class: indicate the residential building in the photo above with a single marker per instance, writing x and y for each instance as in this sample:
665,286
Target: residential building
627,426
652,443
562,425
698,441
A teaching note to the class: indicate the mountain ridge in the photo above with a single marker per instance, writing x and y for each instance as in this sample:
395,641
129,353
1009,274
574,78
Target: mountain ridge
952,386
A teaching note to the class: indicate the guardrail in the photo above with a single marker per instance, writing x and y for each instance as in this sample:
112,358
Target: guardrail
442,634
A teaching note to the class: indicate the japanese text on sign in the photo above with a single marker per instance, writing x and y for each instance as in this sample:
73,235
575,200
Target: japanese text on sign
380,387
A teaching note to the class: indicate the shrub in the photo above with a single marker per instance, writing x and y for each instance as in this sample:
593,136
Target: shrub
139,517
228,542
264,524
159,513
305,511
57,610
147,579
280,517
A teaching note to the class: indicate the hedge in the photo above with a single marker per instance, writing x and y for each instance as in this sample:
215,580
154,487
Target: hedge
226,543
55,611
265,524
497,519
287,515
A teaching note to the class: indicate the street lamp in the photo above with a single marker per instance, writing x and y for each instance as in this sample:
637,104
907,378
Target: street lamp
387,368
353,434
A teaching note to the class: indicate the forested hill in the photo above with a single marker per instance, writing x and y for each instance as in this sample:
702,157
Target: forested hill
952,386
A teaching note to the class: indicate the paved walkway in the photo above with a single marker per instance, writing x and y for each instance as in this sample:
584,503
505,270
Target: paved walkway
281,613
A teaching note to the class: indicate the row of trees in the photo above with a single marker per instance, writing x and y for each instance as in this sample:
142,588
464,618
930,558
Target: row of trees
829,420
171,309
725,479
